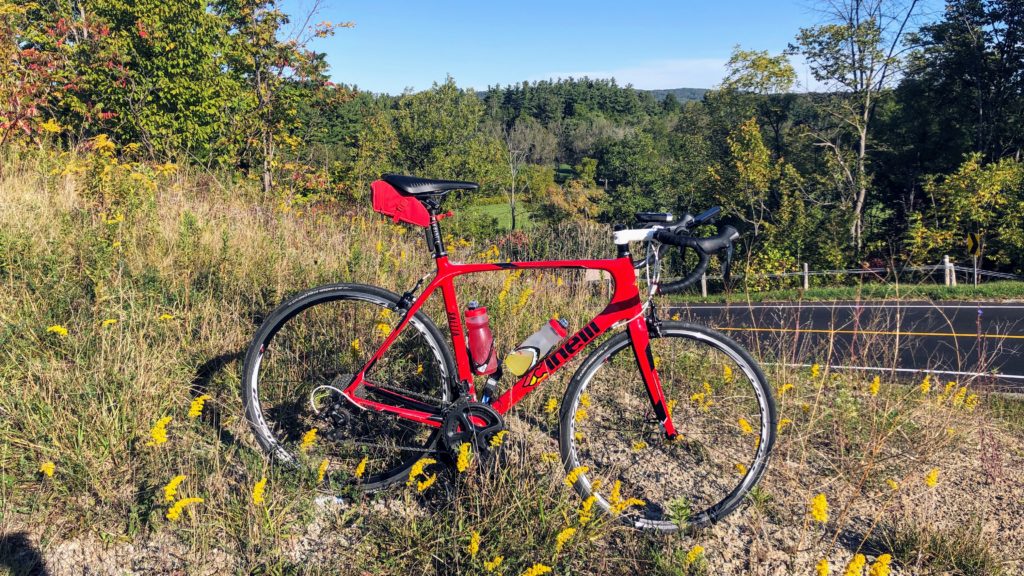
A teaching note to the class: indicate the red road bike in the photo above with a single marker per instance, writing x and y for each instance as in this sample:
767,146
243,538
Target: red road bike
666,424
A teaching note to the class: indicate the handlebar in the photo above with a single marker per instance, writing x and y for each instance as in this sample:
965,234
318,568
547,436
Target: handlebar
704,247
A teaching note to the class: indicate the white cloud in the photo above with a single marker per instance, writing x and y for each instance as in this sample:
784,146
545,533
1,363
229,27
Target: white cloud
659,74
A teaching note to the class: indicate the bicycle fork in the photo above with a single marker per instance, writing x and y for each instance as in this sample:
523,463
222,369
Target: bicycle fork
640,337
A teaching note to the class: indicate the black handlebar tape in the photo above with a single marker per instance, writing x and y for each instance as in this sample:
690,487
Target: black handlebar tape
702,246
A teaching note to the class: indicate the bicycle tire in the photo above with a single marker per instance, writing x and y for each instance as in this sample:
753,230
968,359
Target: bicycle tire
271,440
632,468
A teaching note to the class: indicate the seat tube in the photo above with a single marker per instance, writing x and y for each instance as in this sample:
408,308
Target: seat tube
640,338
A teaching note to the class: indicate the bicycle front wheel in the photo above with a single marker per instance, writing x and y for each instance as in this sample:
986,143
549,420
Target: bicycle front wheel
309,350
614,448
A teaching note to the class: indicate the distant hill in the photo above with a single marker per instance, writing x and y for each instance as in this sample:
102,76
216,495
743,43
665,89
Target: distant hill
681,94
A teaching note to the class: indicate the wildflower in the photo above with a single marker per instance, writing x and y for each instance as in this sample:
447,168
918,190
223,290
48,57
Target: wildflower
856,566
926,384
741,469
580,415
563,537
783,423
745,426
382,330
639,445
893,485
171,489
785,388
549,457
174,512
585,400
498,439
971,402
422,486
880,567
815,370
115,219
165,317
537,570
819,508
474,544
417,469
321,471
694,554
465,453
158,432
47,468
559,281
657,362
379,247
50,127
108,322
551,405
419,369
258,490
523,298
195,410
669,406
615,499
727,373
960,397
355,345
805,407
945,393
307,440
876,383
676,316
586,513
578,436
58,330
822,568
574,474
932,478
492,565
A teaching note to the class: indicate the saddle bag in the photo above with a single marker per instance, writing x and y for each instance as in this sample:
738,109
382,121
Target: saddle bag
390,202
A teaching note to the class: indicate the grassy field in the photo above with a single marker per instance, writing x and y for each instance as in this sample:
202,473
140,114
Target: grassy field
503,214
126,293
1000,290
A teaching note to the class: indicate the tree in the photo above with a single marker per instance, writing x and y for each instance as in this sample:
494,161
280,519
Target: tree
526,142
857,56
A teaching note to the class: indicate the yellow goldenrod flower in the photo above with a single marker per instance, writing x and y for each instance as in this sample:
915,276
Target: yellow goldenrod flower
50,126
727,373
258,491
58,330
47,468
195,410
383,330
586,513
893,485
417,470
971,402
174,512
783,423
856,566
379,247
563,537
474,544
492,565
822,568
585,399
741,468
419,369
876,383
676,316
926,384
355,345
694,554
580,415
815,370
321,471
574,474
669,406
164,317
932,478
819,508
307,440
639,445
805,407
960,397
171,489
880,567
465,454
551,406
108,322
549,457
158,433
785,388
745,426
422,486
537,570
498,439
578,436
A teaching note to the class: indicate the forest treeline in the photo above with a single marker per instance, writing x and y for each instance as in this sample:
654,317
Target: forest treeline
916,140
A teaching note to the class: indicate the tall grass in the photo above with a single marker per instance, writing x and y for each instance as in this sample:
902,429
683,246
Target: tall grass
186,265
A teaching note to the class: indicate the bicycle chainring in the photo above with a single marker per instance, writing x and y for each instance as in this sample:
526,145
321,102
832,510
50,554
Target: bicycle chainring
473,422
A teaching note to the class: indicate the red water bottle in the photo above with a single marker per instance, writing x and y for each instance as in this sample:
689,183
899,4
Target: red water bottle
482,356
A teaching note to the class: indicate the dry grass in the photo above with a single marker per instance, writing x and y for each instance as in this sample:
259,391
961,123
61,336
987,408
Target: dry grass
215,257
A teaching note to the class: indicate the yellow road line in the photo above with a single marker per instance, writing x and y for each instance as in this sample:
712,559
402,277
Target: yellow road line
877,333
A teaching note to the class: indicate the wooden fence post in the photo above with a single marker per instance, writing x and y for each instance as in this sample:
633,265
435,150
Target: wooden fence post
807,277
704,285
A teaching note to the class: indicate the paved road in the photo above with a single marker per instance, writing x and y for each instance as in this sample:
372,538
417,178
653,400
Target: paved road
978,342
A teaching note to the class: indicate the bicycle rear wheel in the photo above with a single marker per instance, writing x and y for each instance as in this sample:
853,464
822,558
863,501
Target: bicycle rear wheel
309,349
720,403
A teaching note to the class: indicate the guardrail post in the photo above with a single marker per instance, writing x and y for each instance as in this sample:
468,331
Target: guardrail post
949,272
807,277
704,285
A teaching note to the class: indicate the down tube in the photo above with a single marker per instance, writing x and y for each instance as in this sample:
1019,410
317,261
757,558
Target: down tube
641,341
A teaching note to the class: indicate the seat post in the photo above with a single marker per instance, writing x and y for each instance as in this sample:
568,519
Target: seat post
434,239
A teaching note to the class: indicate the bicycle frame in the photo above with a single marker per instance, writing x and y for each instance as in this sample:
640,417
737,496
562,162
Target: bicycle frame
625,307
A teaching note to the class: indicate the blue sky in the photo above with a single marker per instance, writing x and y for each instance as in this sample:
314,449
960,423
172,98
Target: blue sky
668,44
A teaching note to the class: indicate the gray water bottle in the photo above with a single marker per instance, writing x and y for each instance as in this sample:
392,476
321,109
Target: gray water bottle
527,354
